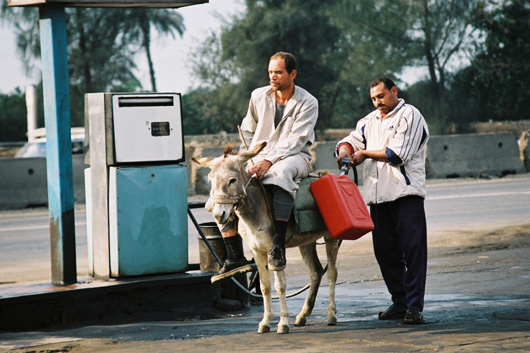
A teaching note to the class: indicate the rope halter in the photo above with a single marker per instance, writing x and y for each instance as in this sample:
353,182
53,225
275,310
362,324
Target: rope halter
228,199
235,200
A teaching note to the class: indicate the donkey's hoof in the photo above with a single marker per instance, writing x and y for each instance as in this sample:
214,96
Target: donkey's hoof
332,321
283,329
264,329
300,322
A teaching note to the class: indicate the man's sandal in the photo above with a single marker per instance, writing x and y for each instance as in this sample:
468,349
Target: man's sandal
413,317
393,312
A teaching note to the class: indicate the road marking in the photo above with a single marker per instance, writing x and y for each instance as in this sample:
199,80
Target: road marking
14,229
476,195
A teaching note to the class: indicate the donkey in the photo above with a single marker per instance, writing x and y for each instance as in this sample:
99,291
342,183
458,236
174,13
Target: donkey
234,191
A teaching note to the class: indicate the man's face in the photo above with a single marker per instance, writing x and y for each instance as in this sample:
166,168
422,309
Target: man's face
279,78
383,99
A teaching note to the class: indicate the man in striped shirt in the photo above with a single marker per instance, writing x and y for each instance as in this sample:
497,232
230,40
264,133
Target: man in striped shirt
391,143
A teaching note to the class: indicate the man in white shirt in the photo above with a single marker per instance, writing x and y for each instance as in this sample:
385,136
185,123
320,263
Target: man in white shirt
283,115
391,142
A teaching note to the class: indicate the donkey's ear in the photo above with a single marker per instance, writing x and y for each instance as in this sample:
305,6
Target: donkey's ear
203,161
245,156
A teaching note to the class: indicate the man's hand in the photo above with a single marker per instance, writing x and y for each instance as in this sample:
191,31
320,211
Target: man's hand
358,157
343,153
260,169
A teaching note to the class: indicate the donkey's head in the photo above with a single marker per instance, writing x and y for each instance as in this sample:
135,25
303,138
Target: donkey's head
228,179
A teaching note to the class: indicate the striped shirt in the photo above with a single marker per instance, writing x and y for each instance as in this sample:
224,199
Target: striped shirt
403,134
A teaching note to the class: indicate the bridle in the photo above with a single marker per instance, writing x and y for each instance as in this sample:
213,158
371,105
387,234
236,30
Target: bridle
228,199
235,200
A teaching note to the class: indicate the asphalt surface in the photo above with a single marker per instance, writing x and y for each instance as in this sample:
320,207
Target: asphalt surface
478,300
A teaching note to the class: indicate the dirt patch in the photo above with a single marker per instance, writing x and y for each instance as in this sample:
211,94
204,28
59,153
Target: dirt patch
514,237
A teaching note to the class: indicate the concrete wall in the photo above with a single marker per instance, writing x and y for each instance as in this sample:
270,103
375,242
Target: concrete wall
473,155
23,180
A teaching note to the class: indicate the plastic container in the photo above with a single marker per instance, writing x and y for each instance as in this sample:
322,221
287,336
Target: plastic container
342,206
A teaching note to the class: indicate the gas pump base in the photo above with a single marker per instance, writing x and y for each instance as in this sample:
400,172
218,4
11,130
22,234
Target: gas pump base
161,297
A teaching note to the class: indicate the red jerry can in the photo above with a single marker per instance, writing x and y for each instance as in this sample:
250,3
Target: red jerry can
342,206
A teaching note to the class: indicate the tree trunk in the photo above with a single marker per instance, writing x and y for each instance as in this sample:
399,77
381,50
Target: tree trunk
82,46
428,43
147,47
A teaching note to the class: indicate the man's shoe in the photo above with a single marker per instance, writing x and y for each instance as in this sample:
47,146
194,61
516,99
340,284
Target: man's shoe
414,317
393,312
277,259
231,268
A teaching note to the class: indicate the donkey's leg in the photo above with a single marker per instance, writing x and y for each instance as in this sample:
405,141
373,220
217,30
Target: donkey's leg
280,284
309,254
332,250
265,285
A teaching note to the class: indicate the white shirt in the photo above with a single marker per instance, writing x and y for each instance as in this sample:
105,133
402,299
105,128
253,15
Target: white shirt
288,144
403,133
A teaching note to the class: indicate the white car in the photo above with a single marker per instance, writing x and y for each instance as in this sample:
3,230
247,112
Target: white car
37,147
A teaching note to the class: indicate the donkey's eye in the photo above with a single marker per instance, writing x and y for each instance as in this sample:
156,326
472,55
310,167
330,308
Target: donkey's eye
232,181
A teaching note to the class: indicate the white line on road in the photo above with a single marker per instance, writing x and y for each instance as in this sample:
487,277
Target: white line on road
476,195
14,229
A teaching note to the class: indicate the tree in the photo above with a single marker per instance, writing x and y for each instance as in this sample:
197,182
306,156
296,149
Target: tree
138,24
25,24
443,30
500,67
13,117
99,56
100,59
392,35
431,33
341,47
374,41
236,61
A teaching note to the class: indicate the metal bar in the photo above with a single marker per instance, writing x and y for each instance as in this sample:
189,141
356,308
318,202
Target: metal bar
58,143
214,253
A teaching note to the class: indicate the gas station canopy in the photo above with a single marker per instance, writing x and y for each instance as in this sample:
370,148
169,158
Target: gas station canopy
109,3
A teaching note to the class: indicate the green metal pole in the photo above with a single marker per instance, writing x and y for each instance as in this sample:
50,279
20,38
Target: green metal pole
58,143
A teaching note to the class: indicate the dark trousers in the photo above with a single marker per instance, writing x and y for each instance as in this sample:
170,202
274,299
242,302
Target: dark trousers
400,246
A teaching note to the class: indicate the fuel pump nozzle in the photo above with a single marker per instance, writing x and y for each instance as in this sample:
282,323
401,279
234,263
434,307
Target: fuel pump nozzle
345,166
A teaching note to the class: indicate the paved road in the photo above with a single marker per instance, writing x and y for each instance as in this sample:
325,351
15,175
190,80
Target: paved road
25,245
478,291
458,203
466,204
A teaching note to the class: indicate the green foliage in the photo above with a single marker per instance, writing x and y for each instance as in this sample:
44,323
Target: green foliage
13,119
492,87
201,103
99,58
341,46
441,32
236,62
500,68
422,95
373,42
